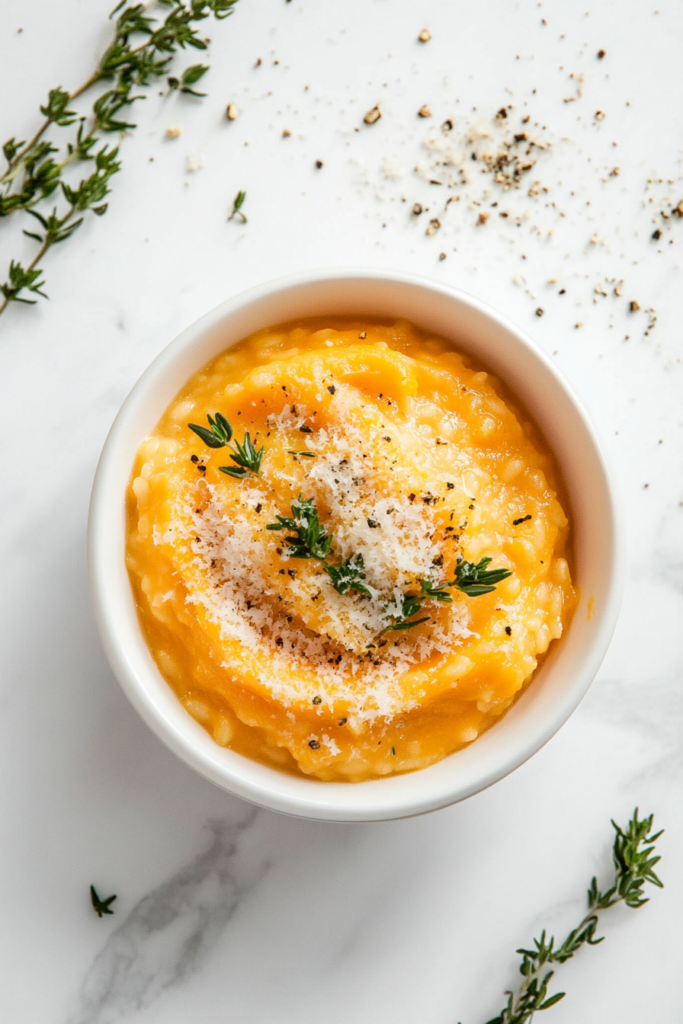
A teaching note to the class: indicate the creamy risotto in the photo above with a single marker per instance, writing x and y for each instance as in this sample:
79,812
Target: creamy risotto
346,548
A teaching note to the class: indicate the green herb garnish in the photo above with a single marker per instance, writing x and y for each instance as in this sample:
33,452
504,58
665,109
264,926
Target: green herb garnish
473,580
410,605
190,77
349,575
220,435
101,907
476,580
634,864
435,591
310,540
238,202
136,58
304,455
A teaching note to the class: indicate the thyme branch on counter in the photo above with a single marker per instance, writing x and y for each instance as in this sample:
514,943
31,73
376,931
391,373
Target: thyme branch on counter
221,435
100,906
634,865
35,169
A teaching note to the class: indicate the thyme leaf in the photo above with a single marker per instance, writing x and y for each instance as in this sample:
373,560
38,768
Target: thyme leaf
100,906
189,77
237,204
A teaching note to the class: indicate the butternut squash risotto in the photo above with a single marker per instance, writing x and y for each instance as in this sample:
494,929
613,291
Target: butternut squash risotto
346,548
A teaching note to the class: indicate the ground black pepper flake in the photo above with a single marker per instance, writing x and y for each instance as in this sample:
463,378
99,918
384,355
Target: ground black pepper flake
508,630
314,745
258,507
194,458
450,486
317,700
524,519
306,430
343,721
331,389
373,524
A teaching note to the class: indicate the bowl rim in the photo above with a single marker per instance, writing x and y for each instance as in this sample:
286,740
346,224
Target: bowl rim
380,799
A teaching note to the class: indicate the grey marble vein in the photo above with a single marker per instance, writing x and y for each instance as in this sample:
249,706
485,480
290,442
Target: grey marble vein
171,931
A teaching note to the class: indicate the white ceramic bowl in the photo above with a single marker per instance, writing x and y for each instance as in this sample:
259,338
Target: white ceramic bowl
572,663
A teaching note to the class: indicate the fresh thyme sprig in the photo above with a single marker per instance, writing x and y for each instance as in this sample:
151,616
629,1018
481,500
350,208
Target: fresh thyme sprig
349,575
101,907
634,867
35,169
310,539
473,580
246,456
410,605
477,580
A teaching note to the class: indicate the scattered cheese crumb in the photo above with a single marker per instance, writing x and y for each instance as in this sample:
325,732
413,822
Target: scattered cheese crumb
194,162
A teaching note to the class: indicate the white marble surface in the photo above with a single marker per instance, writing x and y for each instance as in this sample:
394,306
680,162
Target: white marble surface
226,914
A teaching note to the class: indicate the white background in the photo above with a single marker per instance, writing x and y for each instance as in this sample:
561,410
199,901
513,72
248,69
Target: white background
225,916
